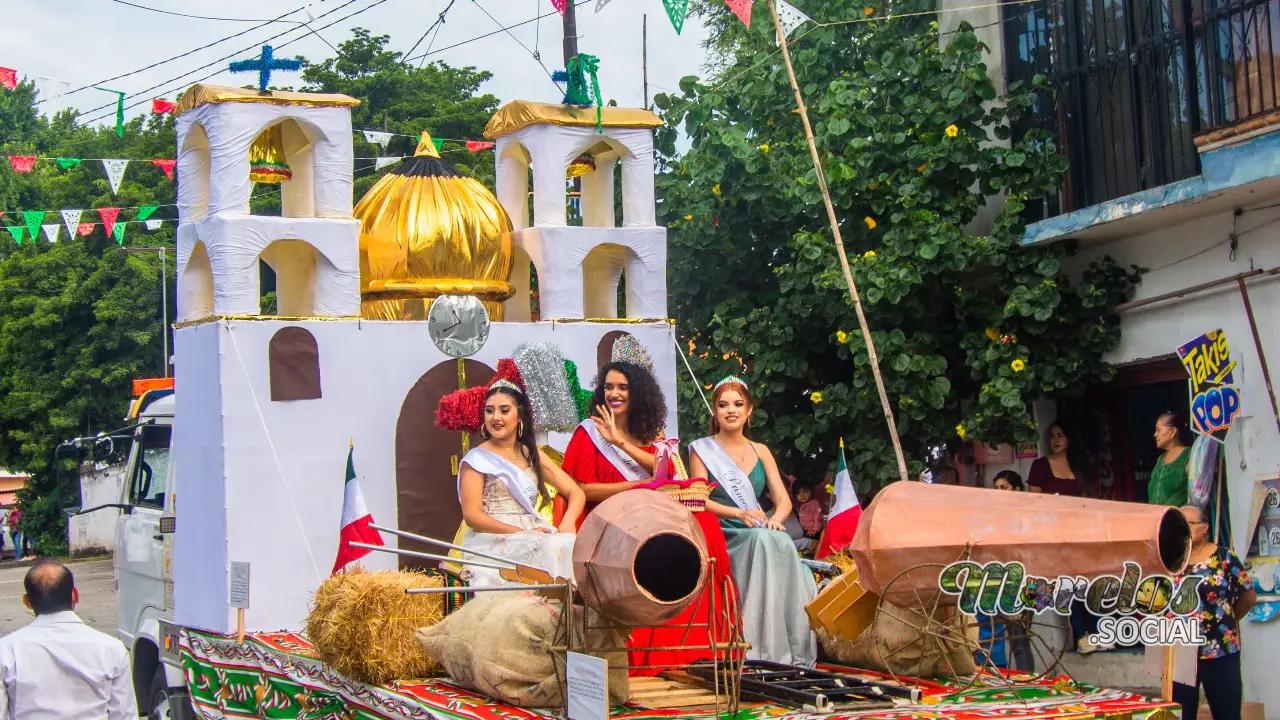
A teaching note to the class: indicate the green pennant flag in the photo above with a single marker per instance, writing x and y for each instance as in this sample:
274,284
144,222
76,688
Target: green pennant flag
118,231
33,219
145,211
676,11
16,232
119,109
438,143
67,163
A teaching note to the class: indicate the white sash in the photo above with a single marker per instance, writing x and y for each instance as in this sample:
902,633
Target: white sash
617,457
521,486
726,472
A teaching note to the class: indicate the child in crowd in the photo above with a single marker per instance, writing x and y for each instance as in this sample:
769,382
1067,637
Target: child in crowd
809,512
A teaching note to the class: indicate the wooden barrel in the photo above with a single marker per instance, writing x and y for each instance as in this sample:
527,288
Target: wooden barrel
640,558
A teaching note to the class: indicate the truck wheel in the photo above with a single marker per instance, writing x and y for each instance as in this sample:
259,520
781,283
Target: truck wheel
165,703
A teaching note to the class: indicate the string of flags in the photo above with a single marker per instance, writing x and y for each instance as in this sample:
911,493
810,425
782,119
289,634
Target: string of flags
33,223
114,167
382,139
677,10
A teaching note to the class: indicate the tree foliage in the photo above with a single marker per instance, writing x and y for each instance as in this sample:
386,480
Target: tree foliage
80,319
970,327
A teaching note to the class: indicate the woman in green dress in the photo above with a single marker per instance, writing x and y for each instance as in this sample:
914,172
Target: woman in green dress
773,586
1168,484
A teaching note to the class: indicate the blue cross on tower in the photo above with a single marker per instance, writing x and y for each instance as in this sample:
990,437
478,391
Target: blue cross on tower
264,65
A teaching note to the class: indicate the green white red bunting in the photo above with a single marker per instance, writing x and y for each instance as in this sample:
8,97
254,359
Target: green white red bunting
71,218
33,219
51,231
153,224
676,12
741,8
790,17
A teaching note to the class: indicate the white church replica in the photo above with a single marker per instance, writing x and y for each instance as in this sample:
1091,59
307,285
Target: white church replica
267,406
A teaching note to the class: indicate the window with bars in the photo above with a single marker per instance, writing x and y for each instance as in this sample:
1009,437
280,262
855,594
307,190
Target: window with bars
1134,81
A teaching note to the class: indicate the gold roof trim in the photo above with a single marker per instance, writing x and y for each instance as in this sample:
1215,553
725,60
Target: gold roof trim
520,114
201,94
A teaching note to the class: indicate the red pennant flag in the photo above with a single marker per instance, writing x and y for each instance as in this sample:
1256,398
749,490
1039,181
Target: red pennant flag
559,6
109,218
478,145
22,163
741,8
8,78
166,166
84,229
159,106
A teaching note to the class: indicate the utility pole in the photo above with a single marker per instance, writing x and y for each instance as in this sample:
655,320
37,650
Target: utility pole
570,31
644,56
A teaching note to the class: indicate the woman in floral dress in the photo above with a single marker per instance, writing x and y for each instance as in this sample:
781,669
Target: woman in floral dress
1226,594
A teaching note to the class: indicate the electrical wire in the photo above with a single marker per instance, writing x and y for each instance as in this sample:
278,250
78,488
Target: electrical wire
204,17
439,21
181,79
536,56
499,31
177,57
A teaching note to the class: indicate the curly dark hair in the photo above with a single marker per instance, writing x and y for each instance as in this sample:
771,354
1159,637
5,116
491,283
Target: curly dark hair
647,415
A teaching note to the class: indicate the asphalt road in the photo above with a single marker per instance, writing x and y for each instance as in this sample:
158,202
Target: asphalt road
94,578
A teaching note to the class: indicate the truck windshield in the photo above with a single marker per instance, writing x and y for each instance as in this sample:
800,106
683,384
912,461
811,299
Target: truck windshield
152,470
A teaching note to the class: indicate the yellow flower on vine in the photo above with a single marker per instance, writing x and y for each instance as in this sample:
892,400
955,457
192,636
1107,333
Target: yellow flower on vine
688,217
842,337
993,334
952,131
816,398
1018,365
923,167
960,431
870,221
869,254
764,147
868,11
716,190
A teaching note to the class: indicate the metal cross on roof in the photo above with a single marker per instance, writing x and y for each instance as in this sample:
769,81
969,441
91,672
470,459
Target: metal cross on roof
264,64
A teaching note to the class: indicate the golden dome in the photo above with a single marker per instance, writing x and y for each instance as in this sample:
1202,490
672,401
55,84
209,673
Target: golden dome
427,230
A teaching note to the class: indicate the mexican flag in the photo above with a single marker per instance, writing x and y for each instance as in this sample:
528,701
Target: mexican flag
355,521
842,522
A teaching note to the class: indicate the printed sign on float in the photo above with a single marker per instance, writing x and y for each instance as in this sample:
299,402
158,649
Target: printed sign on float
1215,401
587,678
240,585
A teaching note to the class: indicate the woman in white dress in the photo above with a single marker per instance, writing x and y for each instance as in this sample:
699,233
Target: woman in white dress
500,483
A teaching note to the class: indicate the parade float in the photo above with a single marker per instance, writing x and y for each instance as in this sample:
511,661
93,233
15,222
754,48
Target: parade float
387,308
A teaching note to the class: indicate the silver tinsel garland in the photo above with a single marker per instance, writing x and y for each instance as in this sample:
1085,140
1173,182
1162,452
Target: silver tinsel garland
541,366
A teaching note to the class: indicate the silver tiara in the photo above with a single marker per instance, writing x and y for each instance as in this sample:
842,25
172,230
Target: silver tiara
734,379
508,385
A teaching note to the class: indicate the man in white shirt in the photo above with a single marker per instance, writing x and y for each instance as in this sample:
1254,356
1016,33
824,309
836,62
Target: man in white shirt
58,667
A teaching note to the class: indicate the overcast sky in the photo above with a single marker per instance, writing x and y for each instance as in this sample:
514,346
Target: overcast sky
89,41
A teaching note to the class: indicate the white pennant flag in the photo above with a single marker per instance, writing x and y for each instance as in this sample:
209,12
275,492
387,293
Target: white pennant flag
600,4
115,173
71,218
380,138
790,17
379,163
51,89
51,231
153,224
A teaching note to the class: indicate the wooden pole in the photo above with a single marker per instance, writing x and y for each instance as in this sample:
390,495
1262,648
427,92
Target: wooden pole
570,26
1166,673
835,231
239,626
644,56
1257,346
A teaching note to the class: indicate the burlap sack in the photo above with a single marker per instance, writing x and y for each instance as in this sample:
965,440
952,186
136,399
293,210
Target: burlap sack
499,645
910,652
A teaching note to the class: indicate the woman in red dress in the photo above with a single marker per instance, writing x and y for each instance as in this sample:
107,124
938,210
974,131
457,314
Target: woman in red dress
613,452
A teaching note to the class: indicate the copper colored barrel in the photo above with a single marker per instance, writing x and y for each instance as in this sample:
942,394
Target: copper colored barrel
640,558
912,523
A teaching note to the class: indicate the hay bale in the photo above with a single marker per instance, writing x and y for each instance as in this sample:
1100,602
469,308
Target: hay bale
362,624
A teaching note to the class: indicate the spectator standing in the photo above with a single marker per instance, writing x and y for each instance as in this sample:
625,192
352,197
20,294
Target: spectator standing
1016,629
15,534
1168,483
1226,594
57,667
1062,472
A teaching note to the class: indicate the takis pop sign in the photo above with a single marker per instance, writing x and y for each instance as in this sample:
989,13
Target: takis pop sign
1215,401
1153,610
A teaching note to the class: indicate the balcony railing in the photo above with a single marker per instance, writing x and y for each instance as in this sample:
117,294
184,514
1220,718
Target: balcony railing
1135,81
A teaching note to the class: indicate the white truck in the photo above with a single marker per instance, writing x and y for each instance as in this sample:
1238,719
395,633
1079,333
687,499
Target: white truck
143,561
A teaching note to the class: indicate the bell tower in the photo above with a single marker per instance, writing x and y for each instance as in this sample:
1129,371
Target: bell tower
313,248
579,268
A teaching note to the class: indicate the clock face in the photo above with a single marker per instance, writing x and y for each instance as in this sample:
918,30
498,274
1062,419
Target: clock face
458,325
